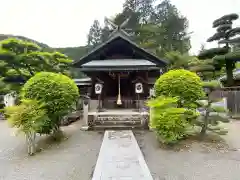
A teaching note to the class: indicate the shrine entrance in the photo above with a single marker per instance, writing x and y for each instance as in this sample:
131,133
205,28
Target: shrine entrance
119,91
116,67
122,74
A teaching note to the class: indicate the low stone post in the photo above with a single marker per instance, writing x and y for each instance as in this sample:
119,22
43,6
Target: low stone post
144,119
85,126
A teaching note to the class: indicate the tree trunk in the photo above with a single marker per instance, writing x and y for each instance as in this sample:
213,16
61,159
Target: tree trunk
229,71
214,74
57,134
31,143
205,123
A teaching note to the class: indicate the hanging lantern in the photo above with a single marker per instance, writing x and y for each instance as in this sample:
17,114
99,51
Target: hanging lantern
138,88
98,88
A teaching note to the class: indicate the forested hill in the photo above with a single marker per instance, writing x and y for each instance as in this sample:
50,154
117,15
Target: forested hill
73,52
5,36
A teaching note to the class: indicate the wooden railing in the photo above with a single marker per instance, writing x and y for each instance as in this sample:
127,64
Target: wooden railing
232,96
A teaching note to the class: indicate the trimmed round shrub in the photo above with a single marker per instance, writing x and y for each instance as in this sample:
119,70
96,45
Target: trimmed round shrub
57,91
170,123
185,85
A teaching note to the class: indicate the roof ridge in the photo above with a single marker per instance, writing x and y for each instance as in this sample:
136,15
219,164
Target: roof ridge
120,34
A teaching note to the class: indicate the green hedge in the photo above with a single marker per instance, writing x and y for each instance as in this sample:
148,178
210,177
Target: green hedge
57,91
169,122
185,85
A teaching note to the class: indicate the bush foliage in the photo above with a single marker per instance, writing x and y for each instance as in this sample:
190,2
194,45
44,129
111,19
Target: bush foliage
169,122
28,117
212,115
57,91
185,85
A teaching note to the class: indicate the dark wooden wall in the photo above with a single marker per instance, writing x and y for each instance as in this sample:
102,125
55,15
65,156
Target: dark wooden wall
110,84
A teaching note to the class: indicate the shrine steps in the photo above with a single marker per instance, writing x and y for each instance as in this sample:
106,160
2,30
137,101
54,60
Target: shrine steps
119,120
115,127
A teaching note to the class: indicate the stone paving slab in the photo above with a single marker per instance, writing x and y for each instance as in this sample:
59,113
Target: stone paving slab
120,158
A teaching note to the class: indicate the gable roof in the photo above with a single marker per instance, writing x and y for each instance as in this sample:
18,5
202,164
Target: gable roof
119,62
120,34
119,65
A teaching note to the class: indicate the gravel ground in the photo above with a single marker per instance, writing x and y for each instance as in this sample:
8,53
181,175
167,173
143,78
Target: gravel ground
72,159
201,161
75,158
233,135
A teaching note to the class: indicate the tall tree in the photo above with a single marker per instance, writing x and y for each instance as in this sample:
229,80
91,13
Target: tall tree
94,36
133,19
223,56
178,61
142,8
175,37
236,47
157,27
20,60
207,69
202,48
149,36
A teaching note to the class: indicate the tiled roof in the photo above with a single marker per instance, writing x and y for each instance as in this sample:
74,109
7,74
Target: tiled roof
118,62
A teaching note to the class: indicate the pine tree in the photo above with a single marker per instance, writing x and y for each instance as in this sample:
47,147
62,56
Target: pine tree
94,36
20,60
158,27
212,115
143,8
223,57
168,17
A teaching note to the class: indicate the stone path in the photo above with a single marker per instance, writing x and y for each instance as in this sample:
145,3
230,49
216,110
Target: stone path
120,158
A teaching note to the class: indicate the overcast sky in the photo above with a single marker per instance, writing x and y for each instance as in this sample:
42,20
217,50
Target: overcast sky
62,23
